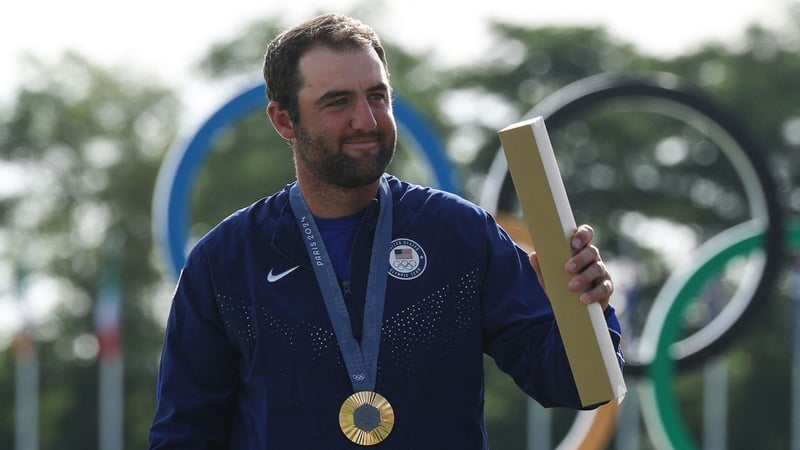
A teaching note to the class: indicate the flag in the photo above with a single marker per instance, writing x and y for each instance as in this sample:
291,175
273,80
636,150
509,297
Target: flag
111,376
26,373
403,253
106,318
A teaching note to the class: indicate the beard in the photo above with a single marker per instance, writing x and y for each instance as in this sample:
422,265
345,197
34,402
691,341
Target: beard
329,163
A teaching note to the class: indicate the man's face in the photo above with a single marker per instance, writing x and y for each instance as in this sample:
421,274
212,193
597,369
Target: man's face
346,134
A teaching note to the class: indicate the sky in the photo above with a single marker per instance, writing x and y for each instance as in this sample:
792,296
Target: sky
164,37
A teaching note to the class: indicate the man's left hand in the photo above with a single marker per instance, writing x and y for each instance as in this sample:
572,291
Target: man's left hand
591,278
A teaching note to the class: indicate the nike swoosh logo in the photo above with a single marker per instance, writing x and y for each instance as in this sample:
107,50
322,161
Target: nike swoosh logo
273,277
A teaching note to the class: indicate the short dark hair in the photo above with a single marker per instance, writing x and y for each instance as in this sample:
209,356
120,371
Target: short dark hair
281,71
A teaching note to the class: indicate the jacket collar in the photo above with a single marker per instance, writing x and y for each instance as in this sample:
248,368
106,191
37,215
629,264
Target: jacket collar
287,241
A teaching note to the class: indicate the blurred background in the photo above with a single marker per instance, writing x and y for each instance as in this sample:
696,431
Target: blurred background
94,96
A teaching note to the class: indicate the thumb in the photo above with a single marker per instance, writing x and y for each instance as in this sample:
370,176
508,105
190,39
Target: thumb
533,258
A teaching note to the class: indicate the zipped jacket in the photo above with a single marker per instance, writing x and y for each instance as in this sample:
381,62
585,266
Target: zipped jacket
250,359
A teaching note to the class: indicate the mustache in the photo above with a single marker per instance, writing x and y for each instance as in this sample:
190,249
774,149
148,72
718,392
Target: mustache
363,135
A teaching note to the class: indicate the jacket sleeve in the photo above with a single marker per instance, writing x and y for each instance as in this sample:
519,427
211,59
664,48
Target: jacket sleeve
197,378
520,330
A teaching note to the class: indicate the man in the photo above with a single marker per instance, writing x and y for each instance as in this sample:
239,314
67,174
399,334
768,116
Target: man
352,308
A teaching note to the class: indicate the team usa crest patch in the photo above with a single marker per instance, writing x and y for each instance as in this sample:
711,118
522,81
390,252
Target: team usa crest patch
407,259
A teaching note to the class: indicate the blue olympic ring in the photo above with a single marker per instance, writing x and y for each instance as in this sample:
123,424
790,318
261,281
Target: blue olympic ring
176,177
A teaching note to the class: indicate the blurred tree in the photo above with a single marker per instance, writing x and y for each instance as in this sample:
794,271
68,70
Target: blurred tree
85,143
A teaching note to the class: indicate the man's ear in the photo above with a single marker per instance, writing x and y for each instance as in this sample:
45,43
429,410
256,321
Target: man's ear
280,120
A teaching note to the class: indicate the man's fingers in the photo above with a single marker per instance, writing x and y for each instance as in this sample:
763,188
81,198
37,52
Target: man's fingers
582,237
582,259
594,284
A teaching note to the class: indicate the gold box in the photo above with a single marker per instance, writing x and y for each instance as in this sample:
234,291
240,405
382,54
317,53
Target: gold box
547,212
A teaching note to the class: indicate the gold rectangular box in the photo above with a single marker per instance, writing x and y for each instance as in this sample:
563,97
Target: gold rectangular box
547,212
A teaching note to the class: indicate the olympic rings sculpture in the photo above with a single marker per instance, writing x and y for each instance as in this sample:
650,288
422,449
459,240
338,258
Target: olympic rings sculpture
181,167
660,348
686,104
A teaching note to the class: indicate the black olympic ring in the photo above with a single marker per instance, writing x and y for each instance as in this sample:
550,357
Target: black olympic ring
562,106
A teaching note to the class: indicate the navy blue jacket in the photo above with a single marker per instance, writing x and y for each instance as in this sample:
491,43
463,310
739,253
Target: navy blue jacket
250,360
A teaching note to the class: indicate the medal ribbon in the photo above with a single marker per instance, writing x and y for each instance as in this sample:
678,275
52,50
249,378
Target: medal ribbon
361,359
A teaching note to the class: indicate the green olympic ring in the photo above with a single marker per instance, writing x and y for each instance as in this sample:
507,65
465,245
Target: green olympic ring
661,413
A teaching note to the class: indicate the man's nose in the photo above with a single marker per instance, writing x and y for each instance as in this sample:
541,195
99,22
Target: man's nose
363,116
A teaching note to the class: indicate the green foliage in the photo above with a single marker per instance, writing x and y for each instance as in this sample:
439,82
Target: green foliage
88,142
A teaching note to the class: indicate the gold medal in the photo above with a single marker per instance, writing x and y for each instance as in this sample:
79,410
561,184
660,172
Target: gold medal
366,418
